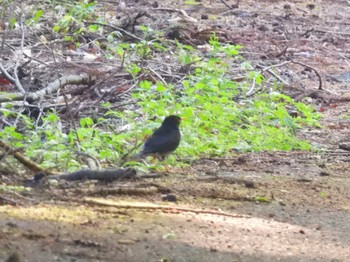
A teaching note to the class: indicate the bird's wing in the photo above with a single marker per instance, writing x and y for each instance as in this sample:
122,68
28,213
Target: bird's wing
161,143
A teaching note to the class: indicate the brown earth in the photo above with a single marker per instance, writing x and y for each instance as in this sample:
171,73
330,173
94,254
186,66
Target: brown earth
270,206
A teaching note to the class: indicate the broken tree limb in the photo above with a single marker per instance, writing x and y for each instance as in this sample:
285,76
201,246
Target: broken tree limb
84,79
24,160
107,175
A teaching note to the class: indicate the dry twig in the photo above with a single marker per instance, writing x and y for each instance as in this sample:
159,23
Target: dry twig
316,72
168,209
23,160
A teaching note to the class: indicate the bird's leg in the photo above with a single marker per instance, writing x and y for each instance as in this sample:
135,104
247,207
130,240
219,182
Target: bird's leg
167,168
163,156
154,157
144,162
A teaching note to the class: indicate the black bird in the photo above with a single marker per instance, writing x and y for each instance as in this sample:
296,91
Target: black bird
164,140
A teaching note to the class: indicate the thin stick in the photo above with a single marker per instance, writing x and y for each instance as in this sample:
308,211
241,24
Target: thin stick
71,116
169,209
18,83
226,4
316,72
25,161
116,29
9,200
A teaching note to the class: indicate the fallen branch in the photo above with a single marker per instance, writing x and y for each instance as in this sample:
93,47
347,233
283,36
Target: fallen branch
229,180
124,191
294,62
51,88
168,209
8,200
331,32
107,175
268,69
24,160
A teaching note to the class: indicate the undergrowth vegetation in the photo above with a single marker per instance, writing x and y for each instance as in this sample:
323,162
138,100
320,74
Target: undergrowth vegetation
221,115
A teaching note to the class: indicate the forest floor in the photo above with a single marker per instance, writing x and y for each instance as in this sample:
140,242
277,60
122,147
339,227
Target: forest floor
267,206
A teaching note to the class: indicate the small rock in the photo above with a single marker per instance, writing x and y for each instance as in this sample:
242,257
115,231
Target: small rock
249,184
344,77
14,257
345,146
345,97
242,159
263,28
293,113
324,173
53,182
213,249
169,198
311,6
169,236
12,224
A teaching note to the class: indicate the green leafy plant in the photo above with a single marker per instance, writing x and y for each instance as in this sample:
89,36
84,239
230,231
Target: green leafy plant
74,20
221,115
261,199
216,122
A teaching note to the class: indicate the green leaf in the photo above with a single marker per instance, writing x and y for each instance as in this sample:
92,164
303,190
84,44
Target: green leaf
13,22
56,28
38,15
68,38
53,118
261,199
94,28
86,122
160,88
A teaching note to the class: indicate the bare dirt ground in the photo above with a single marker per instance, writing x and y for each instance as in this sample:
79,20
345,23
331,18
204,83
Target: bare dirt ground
270,206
